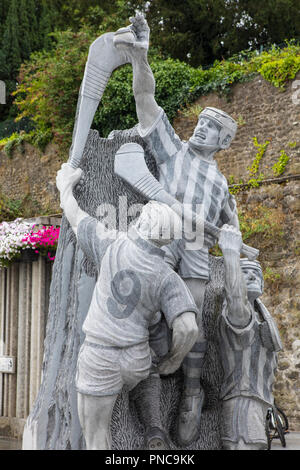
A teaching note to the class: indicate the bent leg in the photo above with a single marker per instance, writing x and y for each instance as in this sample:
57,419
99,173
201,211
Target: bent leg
95,416
243,424
192,364
193,395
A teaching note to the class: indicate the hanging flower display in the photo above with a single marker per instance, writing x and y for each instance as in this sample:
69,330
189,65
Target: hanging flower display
19,236
44,241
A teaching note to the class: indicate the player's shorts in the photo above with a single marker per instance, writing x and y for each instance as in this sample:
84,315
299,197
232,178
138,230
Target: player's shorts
104,370
188,263
244,419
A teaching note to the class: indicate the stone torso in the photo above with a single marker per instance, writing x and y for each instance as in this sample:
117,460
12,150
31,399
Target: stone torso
189,178
134,284
248,365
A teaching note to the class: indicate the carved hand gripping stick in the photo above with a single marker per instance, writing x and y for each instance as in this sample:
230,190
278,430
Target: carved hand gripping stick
130,166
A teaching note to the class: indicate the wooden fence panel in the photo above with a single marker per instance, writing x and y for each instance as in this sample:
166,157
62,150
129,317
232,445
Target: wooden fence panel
24,300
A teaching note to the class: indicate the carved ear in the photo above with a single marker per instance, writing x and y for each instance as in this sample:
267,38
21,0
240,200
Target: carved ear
226,142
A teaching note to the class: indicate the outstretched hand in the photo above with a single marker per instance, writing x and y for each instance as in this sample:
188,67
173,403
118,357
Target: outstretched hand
230,238
140,26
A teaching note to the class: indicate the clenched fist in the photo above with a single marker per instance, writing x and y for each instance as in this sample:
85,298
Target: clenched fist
230,238
185,333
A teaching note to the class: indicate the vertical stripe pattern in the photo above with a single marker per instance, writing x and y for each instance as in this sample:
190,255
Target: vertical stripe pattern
247,365
187,177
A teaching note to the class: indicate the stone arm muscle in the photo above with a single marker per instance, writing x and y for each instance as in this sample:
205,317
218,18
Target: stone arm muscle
239,313
144,92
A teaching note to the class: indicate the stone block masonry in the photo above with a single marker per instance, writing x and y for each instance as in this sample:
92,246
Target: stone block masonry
262,111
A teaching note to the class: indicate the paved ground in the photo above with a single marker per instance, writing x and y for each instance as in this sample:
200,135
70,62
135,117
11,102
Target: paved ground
292,443
9,444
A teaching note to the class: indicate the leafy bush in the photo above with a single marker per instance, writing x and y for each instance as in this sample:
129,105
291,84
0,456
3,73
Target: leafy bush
277,66
49,85
9,126
50,82
279,167
14,141
117,110
220,77
279,71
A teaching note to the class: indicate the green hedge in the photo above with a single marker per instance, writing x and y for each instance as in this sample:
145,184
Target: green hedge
117,109
49,85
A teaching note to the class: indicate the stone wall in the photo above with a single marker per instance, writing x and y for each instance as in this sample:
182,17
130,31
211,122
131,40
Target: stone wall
262,111
281,263
28,176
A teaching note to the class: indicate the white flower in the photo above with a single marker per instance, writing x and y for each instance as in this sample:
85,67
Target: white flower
11,236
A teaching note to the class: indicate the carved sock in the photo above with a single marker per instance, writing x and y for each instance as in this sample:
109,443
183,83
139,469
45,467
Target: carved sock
147,401
192,368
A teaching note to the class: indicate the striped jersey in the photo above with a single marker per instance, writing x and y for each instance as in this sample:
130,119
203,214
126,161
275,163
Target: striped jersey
249,363
189,178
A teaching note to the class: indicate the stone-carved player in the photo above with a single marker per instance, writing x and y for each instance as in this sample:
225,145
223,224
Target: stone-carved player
133,284
249,341
187,171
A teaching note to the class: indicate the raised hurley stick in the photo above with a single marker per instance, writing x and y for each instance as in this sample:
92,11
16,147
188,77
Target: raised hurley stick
103,58
131,167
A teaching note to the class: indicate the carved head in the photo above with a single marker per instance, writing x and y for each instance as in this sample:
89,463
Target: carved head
215,129
159,223
254,277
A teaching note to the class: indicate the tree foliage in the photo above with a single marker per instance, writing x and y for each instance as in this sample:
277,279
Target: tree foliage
201,31
50,82
26,28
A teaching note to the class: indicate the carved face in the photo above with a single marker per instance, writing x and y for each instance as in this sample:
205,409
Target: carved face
206,132
253,281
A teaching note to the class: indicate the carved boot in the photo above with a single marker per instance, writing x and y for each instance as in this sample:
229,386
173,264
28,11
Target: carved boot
156,439
189,417
146,397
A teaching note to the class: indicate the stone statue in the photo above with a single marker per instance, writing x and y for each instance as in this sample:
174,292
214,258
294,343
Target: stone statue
250,341
188,171
134,284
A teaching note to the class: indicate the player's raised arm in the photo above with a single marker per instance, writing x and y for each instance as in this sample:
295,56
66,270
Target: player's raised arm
230,242
136,46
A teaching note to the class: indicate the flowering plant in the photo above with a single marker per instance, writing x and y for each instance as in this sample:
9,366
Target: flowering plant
44,241
11,239
18,235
